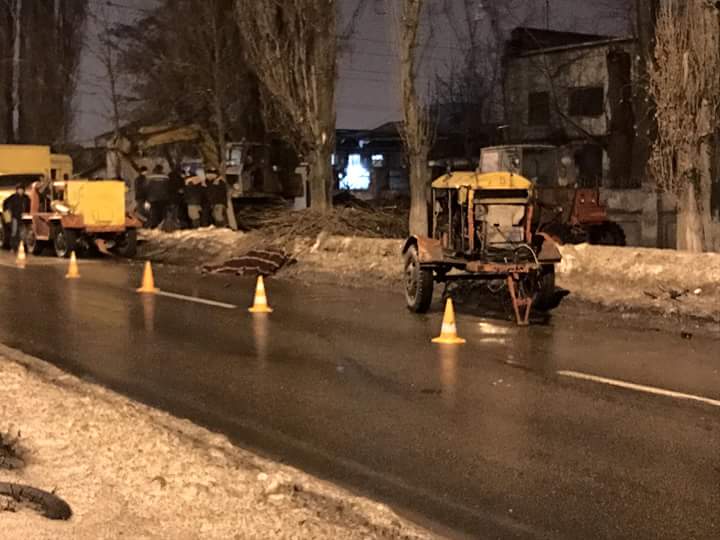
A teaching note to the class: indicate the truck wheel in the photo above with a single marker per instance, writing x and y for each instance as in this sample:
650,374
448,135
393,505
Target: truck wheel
127,244
608,234
418,283
545,298
33,245
617,233
65,242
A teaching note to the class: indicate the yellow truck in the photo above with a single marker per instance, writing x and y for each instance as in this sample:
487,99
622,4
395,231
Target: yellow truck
66,214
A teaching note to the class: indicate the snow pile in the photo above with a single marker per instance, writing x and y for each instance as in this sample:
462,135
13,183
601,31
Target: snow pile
130,471
668,281
191,247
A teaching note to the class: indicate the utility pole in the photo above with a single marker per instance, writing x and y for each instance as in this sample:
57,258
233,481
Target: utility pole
547,14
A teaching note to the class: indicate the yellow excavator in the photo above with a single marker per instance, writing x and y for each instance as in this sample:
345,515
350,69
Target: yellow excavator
128,147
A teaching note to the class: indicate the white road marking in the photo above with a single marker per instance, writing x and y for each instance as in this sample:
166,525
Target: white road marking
196,300
640,387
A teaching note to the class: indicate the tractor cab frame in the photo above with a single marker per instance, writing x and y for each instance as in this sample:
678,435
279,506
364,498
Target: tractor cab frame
482,230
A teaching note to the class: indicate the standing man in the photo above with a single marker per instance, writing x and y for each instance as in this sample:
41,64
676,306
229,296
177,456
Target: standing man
177,186
194,197
217,197
15,206
158,195
140,192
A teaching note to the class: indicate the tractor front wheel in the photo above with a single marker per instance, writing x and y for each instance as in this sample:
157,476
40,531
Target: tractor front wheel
33,245
418,283
126,245
65,241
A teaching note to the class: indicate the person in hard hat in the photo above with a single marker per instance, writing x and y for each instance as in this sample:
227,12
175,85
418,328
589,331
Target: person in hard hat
139,186
157,191
217,197
14,207
194,198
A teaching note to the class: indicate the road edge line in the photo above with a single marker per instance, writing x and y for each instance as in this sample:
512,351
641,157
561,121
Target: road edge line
639,387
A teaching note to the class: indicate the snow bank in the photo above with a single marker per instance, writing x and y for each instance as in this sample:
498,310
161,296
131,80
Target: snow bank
133,472
671,282
666,281
192,247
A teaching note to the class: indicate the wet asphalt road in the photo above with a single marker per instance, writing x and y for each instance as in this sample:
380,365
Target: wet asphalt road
487,439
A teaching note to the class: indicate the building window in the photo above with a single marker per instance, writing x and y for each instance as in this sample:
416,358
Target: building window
356,174
587,101
538,108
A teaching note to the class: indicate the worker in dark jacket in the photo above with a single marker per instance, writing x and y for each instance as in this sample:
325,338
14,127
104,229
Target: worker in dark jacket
157,191
194,198
217,197
14,207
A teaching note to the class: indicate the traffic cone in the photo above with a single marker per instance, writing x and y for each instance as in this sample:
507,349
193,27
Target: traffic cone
260,304
448,335
73,270
21,257
148,281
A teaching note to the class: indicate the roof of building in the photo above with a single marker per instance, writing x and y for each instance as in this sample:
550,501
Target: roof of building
526,41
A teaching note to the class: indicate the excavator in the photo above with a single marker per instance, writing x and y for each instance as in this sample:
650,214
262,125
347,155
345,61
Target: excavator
126,148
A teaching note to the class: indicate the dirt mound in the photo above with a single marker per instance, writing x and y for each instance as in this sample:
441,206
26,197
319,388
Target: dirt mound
350,221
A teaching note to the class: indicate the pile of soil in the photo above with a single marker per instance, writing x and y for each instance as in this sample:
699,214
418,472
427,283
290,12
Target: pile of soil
348,221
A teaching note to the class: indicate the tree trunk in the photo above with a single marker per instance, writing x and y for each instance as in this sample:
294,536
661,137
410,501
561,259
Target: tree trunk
705,175
646,127
320,175
689,224
419,180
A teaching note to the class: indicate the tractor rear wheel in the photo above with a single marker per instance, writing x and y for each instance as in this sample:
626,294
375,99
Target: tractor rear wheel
545,289
418,283
608,234
65,241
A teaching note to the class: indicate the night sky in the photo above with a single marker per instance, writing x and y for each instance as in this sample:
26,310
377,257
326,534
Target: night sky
367,89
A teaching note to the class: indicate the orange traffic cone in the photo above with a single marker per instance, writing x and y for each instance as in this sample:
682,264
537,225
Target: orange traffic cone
73,270
260,304
448,335
148,281
21,257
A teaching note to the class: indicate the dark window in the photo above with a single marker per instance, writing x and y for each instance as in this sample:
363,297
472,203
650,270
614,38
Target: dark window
538,108
589,161
587,101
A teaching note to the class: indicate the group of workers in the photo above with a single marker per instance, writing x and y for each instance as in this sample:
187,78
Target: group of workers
184,197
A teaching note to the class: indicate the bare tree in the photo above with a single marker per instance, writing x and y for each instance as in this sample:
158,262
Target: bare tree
684,82
645,20
8,24
471,90
50,47
417,128
292,46
106,49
